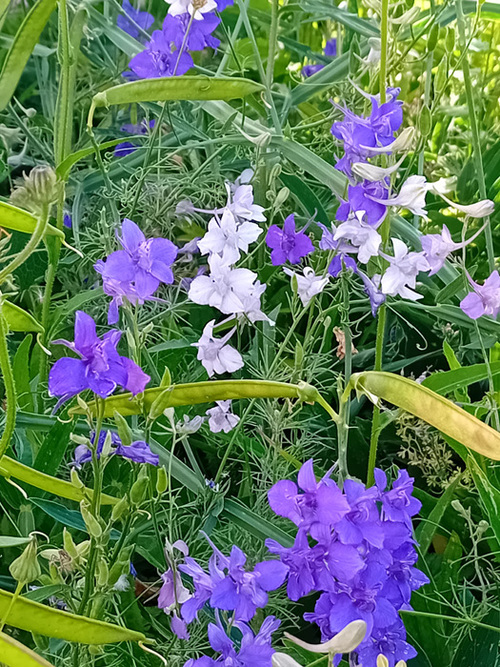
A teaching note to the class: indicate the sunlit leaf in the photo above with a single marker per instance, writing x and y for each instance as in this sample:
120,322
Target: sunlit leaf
19,220
18,319
15,654
6,541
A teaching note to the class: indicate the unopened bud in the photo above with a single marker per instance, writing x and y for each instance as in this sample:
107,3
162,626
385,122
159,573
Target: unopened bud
107,446
161,480
425,121
26,521
284,660
69,545
299,354
433,38
102,573
345,641
382,661
449,42
119,509
281,197
124,431
79,439
440,78
166,379
139,487
93,527
38,190
160,403
263,140
25,568
75,480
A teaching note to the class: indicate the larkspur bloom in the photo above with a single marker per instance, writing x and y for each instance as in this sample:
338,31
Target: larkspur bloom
362,197
138,451
361,560
224,288
330,51
143,263
189,426
485,299
342,259
199,35
437,247
228,238
215,354
132,20
122,292
253,312
365,238
83,454
253,650
221,418
308,284
196,8
100,368
401,276
127,147
412,195
241,204
173,594
287,244
373,291
158,59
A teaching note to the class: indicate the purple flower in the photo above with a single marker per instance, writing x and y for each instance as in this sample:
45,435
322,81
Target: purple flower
133,20
138,451
158,59
83,454
68,221
373,291
360,199
143,263
485,299
127,147
330,51
200,32
287,244
388,640
398,503
100,368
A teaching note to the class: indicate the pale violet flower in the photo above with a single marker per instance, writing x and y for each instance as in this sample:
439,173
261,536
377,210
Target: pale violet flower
195,9
480,209
411,195
189,426
214,353
225,288
221,418
226,237
437,247
485,299
242,206
308,284
253,312
243,179
401,276
363,237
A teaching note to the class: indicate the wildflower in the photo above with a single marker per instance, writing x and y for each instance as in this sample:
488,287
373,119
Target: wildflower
287,244
132,19
342,248
362,197
401,276
214,353
308,284
158,59
373,291
225,288
345,641
199,36
138,451
189,426
365,239
242,204
196,8
485,299
251,302
227,237
221,418
330,51
437,247
100,368
411,195
68,221
128,147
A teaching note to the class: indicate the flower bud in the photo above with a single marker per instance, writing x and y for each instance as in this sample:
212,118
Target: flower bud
39,189
433,38
299,355
69,545
281,197
26,521
344,642
263,140
161,480
440,78
449,42
93,527
124,431
139,487
160,403
107,446
75,480
284,660
425,121
382,661
102,573
119,509
25,568
79,439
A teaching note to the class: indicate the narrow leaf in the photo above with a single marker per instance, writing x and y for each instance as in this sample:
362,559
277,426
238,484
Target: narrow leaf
15,654
24,42
58,487
44,620
427,528
19,220
6,541
432,408
443,383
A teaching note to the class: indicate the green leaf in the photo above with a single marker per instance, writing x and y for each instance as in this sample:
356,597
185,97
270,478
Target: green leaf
15,654
489,495
43,620
193,394
19,220
58,487
254,523
479,648
428,526
444,383
18,319
175,88
24,42
432,408
64,168
324,10
52,450
67,517
6,541
20,366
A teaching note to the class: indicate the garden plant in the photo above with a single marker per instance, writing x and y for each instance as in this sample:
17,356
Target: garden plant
249,336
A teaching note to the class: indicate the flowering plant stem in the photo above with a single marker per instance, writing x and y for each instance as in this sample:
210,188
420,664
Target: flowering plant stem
30,247
379,349
10,388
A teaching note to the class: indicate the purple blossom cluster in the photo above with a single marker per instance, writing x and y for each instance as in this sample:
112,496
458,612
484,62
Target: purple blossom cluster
235,592
357,550
138,451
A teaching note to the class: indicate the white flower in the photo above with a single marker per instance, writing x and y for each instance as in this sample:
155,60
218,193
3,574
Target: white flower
411,195
348,639
284,660
226,237
403,142
189,426
214,353
365,238
308,285
252,311
221,418
225,289
243,179
373,173
242,205
122,583
196,8
402,273
480,209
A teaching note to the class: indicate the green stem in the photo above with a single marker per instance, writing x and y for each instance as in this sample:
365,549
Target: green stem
19,588
379,348
343,423
476,143
29,248
384,39
273,42
452,619
10,388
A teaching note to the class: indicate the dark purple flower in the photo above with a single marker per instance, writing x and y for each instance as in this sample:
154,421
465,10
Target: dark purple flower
398,502
341,262
127,147
199,35
100,368
388,640
67,221
133,20
224,4
139,452
287,244
158,59
83,454
360,199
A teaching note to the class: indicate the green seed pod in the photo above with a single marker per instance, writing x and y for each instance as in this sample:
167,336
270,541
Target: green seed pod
440,78
93,526
160,404
281,197
139,487
25,568
161,481
124,431
102,573
26,520
69,545
449,42
119,509
299,355
425,121
433,38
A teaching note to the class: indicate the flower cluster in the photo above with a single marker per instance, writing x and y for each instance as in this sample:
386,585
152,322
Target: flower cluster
233,291
356,548
188,27
135,273
233,591
138,451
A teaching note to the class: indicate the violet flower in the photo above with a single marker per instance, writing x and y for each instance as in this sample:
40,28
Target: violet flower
221,418
373,291
138,451
330,51
287,244
100,368
360,198
133,19
437,247
199,35
158,59
215,354
485,299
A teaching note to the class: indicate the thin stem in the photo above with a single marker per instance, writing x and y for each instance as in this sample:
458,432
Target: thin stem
476,143
452,619
10,388
273,42
379,348
343,423
384,35
29,248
